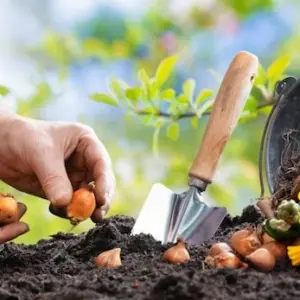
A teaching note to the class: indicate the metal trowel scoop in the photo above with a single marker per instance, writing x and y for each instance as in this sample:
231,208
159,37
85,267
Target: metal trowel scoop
167,215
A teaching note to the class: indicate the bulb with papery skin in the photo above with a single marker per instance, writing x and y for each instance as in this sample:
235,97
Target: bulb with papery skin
82,205
177,254
9,211
109,259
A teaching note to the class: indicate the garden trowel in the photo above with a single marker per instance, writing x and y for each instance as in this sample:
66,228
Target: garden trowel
167,215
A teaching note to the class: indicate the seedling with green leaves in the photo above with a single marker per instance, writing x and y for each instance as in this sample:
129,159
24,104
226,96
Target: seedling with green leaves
160,106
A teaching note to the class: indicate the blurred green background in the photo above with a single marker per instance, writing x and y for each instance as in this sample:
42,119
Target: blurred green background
54,54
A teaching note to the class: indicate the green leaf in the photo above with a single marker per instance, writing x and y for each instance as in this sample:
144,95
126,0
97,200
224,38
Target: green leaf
205,107
243,10
251,105
266,110
247,116
181,109
42,94
4,90
104,99
155,141
168,94
152,90
182,99
204,95
133,94
118,87
149,109
129,115
173,131
189,89
261,77
54,47
264,91
194,121
92,46
278,66
143,77
144,93
165,69
173,107
147,120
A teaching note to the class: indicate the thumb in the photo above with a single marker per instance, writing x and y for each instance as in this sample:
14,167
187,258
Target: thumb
54,180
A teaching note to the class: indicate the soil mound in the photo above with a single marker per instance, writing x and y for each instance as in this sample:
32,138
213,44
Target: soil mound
63,268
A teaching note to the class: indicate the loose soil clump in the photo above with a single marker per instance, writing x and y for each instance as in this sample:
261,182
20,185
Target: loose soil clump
288,174
63,267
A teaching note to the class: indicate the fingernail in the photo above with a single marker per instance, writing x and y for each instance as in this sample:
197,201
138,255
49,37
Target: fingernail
27,228
24,227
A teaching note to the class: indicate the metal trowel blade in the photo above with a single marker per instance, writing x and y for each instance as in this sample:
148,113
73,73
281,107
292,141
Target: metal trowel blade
167,215
155,214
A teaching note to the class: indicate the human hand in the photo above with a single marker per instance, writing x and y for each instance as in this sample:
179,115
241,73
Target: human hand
52,159
10,231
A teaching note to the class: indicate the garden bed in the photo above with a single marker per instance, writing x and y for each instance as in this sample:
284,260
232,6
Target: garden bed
63,268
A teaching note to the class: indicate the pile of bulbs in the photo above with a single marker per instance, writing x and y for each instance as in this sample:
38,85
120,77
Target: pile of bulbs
260,247
247,246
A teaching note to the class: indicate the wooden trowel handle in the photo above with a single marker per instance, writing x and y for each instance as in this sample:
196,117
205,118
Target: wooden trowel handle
228,105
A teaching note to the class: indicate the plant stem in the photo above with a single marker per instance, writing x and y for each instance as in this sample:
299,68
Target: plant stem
189,114
166,115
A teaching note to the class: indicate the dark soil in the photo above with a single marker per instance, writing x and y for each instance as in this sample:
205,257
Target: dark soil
288,178
63,268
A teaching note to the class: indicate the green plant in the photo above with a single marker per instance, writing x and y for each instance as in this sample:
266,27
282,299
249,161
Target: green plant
159,106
